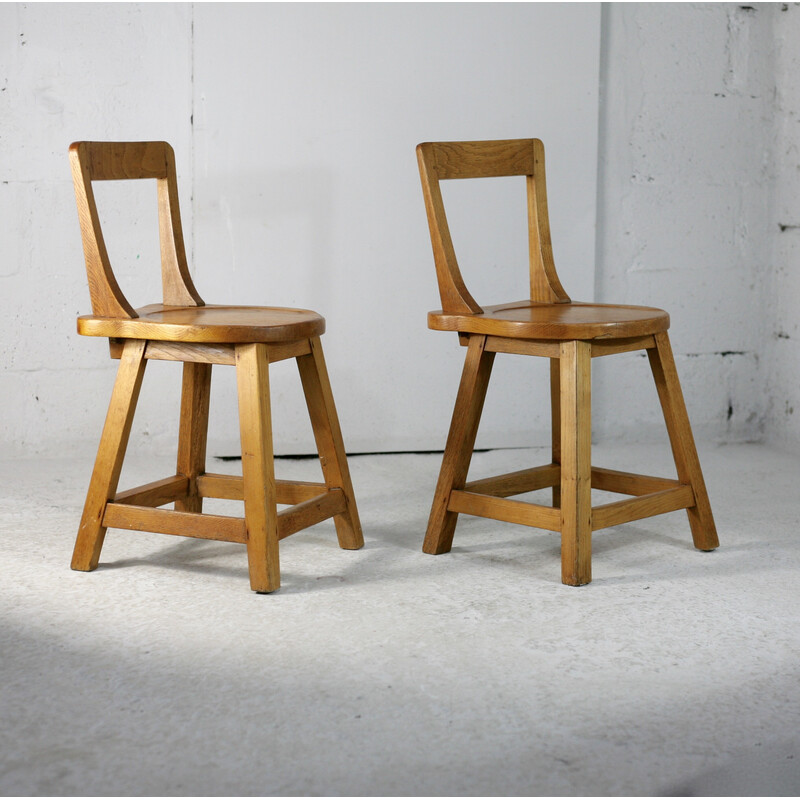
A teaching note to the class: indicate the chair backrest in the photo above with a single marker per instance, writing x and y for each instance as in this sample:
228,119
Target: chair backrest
447,160
114,161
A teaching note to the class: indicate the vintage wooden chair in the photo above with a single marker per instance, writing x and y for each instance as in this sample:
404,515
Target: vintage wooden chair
570,335
184,329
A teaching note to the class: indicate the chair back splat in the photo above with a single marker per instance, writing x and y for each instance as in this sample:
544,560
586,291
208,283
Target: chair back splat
570,334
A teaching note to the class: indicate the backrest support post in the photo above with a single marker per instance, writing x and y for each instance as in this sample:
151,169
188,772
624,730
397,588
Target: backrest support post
545,285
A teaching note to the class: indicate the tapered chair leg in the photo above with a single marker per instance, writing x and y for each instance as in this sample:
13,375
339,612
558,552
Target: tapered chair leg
260,508
110,455
193,431
460,442
555,416
701,520
576,462
330,445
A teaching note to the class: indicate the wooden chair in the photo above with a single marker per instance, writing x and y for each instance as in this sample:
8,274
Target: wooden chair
184,329
570,335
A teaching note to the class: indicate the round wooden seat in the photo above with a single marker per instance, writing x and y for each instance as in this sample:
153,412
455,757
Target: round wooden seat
210,323
560,321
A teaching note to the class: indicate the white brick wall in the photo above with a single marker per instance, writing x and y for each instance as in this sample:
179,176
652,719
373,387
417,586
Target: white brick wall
684,221
698,208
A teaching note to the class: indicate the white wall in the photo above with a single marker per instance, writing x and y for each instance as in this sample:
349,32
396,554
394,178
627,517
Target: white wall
684,207
71,72
295,127
783,329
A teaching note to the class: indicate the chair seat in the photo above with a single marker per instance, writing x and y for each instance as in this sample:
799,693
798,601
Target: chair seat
209,323
560,321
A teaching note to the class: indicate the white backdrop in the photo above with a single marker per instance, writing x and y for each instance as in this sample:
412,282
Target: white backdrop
294,127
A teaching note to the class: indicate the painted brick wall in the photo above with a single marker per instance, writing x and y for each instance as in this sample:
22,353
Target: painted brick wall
698,211
783,313
685,195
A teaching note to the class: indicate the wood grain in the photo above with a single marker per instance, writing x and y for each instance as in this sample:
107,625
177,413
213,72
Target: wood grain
332,503
486,159
570,334
110,455
611,480
156,493
648,505
545,284
330,445
576,465
93,161
175,523
193,432
519,482
231,487
701,520
460,442
183,329
558,321
555,424
518,511
209,323
255,425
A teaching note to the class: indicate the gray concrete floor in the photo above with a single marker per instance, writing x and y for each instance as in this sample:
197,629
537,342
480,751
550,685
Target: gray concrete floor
389,672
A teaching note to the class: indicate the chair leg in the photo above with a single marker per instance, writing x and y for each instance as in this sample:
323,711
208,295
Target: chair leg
330,445
260,508
110,455
460,442
193,432
555,416
701,520
576,462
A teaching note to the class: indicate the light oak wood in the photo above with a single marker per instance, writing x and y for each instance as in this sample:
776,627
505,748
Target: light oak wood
701,520
156,493
648,505
460,443
555,425
611,480
175,523
224,354
193,432
182,328
93,161
576,465
548,324
231,487
545,285
330,445
209,323
481,505
331,504
519,482
110,455
559,321
255,426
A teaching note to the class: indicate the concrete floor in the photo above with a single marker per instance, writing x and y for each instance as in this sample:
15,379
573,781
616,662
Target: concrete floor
389,672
